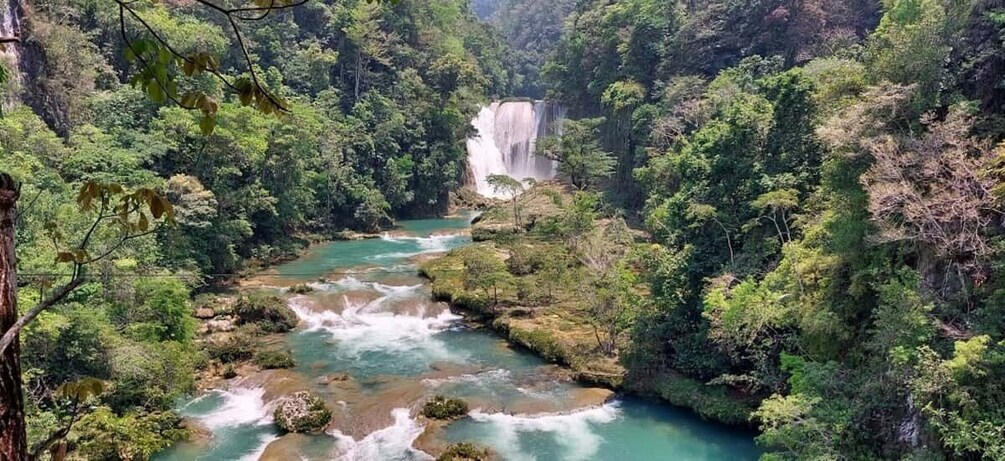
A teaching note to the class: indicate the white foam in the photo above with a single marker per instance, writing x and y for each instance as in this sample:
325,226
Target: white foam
574,431
506,134
364,327
350,283
431,244
241,406
393,443
482,379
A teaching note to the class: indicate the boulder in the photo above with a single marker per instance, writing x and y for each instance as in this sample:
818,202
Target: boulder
302,412
218,325
445,408
205,313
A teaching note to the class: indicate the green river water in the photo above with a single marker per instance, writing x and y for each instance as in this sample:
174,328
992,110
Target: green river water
371,317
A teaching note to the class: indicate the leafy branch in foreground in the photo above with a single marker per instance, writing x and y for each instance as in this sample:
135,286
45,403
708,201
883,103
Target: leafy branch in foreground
118,216
160,63
131,214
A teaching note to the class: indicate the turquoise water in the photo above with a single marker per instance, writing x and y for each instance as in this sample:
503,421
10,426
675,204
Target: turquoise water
628,429
372,318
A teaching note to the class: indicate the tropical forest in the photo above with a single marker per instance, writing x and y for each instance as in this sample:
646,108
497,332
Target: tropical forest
528,230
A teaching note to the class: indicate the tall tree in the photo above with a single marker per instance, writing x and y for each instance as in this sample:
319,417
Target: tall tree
130,215
580,158
13,442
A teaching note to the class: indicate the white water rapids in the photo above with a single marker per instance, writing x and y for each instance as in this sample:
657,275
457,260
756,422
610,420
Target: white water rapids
507,134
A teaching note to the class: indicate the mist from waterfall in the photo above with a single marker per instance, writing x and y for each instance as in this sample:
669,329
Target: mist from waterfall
507,134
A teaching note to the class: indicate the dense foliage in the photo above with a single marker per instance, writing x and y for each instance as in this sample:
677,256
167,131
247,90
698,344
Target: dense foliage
440,407
379,96
531,29
823,183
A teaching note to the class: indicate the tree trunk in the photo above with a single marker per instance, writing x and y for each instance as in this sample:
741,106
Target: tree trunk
13,442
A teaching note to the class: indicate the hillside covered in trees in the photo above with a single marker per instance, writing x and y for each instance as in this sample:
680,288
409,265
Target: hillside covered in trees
783,214
822,182
377,99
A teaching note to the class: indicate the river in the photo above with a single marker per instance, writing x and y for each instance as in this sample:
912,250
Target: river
373,343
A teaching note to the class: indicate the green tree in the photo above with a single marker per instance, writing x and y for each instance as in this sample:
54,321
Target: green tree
611,305
485,271
513,188
580,158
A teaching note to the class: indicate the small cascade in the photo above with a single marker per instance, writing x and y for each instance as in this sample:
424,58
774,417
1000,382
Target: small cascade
10,27
577,431
507,134
391,443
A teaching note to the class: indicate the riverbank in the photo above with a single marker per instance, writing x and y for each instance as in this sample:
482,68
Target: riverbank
373,345
560,336
556,326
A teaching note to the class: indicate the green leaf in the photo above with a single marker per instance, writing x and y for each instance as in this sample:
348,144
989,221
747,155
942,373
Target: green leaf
164,56
155,91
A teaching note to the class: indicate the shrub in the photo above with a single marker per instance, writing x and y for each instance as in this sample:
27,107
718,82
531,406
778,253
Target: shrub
711,403
524,260
302,412
301,289
530,294
151,375
465,451
268,311
159,311
229,371
239,346
271,360
440,407
102,434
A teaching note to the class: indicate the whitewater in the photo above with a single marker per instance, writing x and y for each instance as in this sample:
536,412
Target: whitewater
374,345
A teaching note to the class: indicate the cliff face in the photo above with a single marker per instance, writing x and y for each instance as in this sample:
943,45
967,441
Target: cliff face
24,57
49,104
11,49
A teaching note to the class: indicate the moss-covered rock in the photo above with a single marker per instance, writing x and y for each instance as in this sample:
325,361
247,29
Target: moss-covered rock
713,403
236,347
302,412
268,311
301,289
440,407
273,359
465,451
540,341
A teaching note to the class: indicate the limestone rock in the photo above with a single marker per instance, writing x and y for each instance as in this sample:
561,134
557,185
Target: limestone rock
302,412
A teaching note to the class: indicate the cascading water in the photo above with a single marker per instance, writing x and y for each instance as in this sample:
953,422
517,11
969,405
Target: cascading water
374,346
507,134
10,27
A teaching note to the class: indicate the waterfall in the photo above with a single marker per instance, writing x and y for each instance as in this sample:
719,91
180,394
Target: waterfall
10,27
504,144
